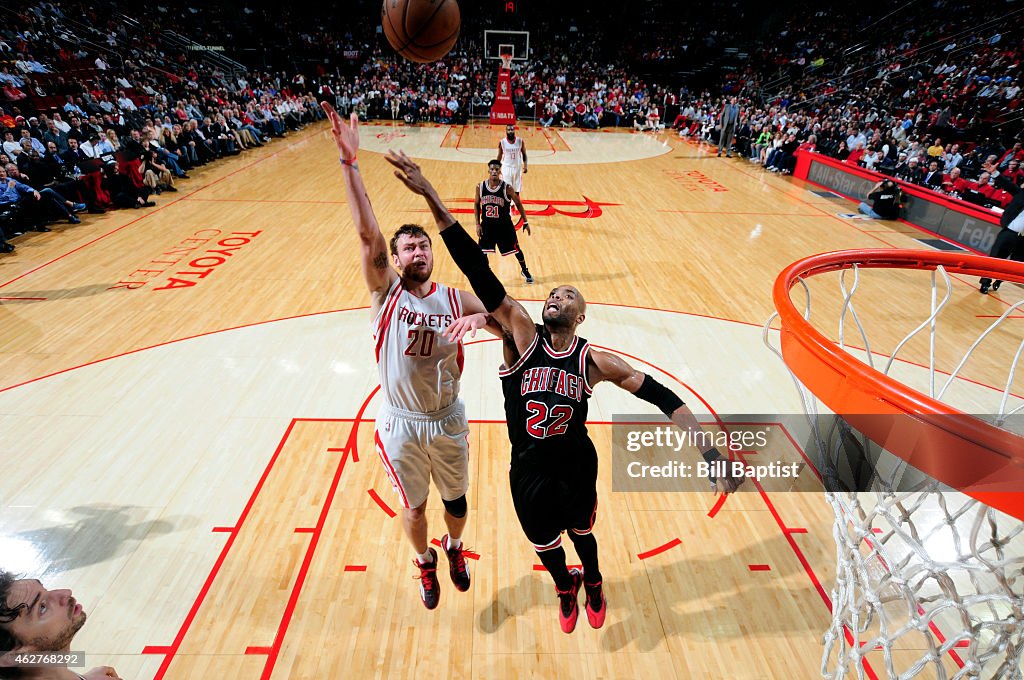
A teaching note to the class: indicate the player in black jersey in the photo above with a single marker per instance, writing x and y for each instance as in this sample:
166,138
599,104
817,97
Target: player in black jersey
493,211
547,378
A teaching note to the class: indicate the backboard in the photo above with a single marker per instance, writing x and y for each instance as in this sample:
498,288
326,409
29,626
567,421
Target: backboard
516,43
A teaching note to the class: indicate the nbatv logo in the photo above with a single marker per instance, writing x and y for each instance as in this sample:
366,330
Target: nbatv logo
586,209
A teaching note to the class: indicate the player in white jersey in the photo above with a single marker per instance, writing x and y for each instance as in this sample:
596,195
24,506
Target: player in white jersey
512,156
422,431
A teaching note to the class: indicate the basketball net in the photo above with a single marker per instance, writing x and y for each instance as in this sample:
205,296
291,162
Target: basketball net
928,579
506,62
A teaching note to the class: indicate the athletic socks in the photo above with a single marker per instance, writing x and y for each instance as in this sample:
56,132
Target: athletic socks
554,561
522,261
425,558
586,548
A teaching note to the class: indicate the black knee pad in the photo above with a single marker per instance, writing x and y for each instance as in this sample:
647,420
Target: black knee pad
456,508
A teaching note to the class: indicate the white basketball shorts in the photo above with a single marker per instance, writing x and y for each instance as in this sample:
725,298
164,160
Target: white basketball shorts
513,175
417,446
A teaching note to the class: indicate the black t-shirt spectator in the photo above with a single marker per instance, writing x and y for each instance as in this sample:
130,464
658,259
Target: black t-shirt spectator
885,202
79,133
133,148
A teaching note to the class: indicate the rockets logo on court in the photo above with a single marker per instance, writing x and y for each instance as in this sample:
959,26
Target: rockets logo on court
586,209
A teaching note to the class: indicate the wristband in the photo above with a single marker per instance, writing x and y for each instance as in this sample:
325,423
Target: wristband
350,162
710,456
655,393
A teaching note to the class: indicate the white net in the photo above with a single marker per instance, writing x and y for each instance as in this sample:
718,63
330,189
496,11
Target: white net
929,581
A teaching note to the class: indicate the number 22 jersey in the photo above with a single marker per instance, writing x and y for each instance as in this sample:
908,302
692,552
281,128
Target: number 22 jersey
546,395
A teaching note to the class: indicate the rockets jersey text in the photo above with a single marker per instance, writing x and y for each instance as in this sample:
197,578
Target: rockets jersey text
419,368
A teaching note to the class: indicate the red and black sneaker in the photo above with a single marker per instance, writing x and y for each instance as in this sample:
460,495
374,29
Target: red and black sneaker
568,605
597,606
430,589
457,567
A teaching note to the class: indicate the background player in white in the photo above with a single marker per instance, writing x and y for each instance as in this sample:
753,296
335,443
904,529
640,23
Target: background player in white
512,156
422,432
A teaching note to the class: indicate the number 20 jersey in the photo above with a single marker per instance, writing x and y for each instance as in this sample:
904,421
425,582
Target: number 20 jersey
419,368
546,395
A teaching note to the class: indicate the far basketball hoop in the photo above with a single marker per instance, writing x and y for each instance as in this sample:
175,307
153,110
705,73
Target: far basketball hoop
497,44
506,47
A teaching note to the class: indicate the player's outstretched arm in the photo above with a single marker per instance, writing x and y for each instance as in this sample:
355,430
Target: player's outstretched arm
511,315
511,194
608,367
412,177
374,252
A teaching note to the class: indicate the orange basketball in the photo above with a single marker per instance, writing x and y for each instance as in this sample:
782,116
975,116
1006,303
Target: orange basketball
421,30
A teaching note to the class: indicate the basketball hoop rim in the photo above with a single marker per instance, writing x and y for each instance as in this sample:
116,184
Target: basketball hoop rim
989,461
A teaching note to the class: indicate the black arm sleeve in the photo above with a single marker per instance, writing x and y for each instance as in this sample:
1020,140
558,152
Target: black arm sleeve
667,401
654,392
473,263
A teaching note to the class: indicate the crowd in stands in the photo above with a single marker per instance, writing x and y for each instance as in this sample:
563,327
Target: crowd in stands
909,148
932,86
80,133
905,150
933,100
98,112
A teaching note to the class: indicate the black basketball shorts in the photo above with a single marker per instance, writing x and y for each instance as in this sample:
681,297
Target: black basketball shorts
547,505
500,235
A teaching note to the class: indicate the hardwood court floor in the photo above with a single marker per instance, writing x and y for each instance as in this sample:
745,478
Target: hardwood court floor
188,394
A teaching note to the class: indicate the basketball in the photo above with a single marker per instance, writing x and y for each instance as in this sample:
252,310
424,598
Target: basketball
421,30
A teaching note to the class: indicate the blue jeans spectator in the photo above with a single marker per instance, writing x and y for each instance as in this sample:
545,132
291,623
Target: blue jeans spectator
868,210
171,160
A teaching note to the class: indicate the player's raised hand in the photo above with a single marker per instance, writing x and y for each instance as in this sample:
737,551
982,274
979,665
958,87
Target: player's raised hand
470,323
346,135
728,483
407,171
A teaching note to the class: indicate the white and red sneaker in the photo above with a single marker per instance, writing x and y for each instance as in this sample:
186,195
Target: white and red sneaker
430,589
457,567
